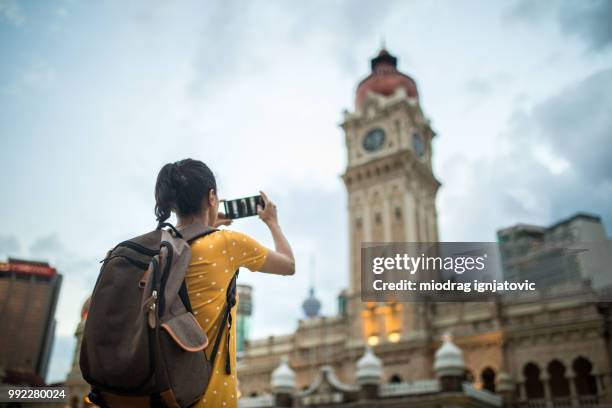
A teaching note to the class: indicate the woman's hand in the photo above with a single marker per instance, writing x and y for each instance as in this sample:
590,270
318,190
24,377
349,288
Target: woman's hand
222,220
268,213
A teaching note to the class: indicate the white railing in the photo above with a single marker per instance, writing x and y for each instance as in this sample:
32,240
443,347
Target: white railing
482,395
411,388
261,401
566,402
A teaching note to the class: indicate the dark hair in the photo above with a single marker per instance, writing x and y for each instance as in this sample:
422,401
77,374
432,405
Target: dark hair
181,187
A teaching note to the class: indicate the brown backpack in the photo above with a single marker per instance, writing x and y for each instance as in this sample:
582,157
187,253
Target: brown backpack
142,346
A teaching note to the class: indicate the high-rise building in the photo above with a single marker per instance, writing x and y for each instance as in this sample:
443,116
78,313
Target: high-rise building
243,314
28,296
572,250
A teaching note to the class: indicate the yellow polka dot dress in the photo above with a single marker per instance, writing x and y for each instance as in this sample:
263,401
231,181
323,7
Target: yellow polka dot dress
214,260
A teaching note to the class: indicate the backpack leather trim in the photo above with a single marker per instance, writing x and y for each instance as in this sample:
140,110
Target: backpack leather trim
186,332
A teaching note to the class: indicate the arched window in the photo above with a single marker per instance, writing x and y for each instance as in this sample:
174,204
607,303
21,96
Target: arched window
398,213
559,385
533,385
395,379
253,394
585,380
488,379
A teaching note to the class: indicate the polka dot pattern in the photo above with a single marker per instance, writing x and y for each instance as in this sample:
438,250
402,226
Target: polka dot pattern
215,258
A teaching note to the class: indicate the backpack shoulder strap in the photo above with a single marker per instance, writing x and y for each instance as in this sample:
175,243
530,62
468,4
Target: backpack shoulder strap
230,302
189,234
195,231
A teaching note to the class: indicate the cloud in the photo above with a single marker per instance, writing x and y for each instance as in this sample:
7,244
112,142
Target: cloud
38,76
11,11
587,20
576,124
46,246
9,246
478,86
557,164
239,40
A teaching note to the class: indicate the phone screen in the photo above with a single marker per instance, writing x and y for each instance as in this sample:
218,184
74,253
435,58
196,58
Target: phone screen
242,207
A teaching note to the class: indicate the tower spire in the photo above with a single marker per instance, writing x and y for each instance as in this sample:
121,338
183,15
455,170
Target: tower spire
313,270
312,305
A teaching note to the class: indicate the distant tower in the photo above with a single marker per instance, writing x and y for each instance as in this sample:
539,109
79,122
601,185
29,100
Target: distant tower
243,314
312,305
391,189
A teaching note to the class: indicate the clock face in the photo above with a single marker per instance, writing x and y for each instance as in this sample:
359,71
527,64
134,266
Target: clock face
419,146
374,140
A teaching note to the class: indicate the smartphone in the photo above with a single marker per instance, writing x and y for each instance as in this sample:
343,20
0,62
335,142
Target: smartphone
242,207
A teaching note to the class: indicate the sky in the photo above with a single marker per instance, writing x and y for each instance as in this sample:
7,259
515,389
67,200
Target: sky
96,96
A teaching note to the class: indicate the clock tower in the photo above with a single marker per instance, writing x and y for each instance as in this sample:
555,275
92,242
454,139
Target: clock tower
391,189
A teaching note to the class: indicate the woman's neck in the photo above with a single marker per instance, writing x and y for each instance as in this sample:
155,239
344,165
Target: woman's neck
183,221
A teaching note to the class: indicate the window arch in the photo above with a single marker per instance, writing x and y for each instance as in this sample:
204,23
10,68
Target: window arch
488,379
585,381
559,385
534,388
395,379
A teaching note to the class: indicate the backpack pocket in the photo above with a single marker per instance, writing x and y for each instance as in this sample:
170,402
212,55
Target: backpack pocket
186,332
183,342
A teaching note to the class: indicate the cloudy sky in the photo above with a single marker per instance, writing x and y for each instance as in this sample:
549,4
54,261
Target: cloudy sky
96,97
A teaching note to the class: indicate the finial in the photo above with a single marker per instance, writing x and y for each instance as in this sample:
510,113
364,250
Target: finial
447,336
312,270
382,42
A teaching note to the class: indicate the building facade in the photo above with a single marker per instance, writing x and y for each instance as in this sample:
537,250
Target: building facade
28,297
574,249
547,349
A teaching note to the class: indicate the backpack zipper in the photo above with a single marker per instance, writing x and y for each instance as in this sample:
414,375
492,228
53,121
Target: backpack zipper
133,261
138,248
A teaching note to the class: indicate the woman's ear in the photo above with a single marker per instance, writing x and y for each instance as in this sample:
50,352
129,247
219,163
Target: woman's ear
213,201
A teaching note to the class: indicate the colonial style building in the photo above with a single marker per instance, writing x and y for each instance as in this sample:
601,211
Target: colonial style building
547,349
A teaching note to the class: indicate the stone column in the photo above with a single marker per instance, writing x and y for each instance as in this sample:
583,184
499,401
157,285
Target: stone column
547,395
506,389
522,391
572,386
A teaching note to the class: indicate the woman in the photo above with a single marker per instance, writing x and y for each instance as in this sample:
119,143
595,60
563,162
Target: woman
188,188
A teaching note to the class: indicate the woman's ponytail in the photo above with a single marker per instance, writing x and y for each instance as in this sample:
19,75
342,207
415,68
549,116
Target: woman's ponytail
165,193
182,187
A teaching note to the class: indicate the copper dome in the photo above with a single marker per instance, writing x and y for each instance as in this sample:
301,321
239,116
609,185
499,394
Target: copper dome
385,79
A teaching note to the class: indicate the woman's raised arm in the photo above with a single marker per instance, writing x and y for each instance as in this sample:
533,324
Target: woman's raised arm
279,261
